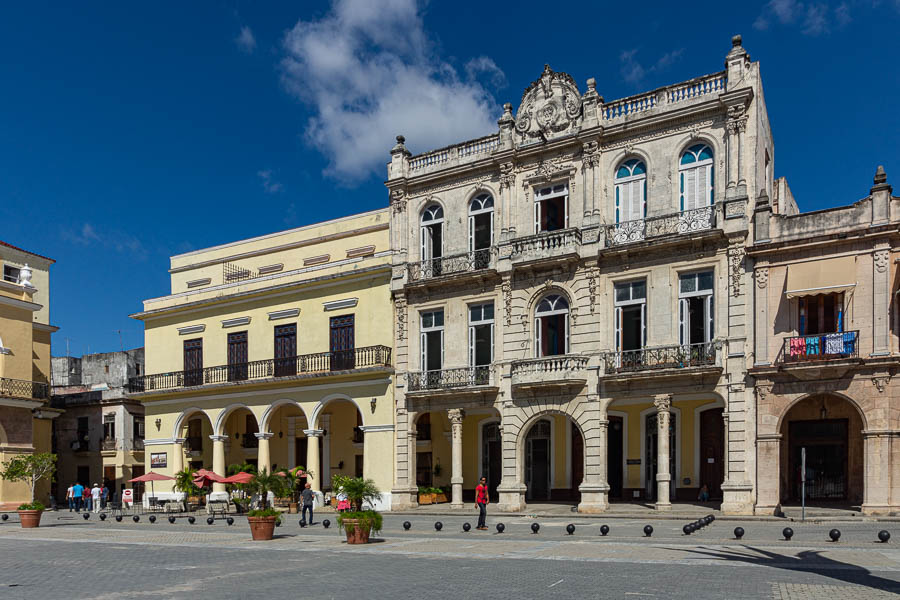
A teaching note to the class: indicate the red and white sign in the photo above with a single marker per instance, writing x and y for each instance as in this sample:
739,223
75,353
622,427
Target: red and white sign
128,496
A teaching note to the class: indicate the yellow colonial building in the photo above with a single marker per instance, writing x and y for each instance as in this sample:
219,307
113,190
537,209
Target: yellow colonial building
24,364
275,351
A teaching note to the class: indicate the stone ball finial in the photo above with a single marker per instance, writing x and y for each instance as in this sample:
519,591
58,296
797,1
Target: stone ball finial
736,40
507,107
880,175
591,84
400,139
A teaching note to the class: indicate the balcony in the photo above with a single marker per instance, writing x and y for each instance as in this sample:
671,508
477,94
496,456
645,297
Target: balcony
550,371
272,368
108,445
466,380
19,388
138,444
663,360
479,263
546,248
682,223
818,348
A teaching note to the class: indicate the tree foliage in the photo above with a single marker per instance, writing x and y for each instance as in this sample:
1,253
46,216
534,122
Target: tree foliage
29,468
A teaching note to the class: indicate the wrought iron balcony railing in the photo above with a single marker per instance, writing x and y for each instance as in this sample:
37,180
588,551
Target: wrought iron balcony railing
469,262
818,347
108,444
629,232
661,357
138,443
344,360
449,378
19,388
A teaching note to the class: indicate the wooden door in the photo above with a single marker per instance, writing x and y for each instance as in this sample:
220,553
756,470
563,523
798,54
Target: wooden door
614,457
237,356
138,487
712,451
109,478
285,350
193,362
577,461
342,343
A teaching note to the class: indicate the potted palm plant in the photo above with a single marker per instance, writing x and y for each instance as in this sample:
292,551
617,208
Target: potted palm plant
358,523
29,468
291,483
184,482
262,520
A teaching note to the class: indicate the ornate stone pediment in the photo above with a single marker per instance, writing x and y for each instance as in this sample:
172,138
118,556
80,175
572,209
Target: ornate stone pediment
550,106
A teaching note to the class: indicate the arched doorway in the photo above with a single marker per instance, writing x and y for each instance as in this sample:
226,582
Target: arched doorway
342,443
240,427
829,428
491,456
538,460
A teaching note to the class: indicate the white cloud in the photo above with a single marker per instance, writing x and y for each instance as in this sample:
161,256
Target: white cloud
369,73
269,184
88,235
813,18
245,40
633,72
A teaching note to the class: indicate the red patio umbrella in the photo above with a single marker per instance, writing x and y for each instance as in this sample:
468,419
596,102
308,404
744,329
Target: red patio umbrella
203,478
151,477
242,477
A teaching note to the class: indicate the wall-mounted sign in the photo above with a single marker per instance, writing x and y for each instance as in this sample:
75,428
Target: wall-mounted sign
633,461
158,460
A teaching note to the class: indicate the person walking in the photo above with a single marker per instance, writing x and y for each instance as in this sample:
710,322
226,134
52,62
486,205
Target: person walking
70,498
77,493
104,495
481,502
95,497
308,497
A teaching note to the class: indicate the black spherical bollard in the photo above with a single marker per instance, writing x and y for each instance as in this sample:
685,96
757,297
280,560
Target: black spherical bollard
711,518
648,530
326,523
153,518
191,520
466,527
834,534
570,528
535,527
500,527
278,523
102,516
302,522
438,525
118,518
788,533
604,529
407,525
135,518
884,535
688,529
86,516
171,519
698,525
210,520
738,532
5,517
230,521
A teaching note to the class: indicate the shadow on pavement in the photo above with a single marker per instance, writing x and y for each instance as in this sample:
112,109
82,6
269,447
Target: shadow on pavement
808,560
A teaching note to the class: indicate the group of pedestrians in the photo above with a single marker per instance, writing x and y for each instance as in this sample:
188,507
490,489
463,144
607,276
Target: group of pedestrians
91,499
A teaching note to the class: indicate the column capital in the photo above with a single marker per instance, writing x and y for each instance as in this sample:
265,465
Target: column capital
264,436
314,432
456,416
662,402
218,438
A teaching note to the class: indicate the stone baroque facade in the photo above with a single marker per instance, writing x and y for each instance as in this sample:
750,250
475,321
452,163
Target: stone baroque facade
607,240
826,350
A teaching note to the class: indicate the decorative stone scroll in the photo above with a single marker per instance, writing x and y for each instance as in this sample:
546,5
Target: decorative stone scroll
550,106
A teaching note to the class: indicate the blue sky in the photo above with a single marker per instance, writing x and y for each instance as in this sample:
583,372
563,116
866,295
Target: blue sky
131,133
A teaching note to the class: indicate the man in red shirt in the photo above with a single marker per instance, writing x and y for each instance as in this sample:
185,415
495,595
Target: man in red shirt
481,501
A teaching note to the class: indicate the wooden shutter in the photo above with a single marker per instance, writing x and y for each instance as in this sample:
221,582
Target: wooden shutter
537,338
683,322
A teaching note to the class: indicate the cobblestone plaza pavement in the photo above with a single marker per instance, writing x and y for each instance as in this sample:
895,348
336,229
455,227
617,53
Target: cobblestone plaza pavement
68,557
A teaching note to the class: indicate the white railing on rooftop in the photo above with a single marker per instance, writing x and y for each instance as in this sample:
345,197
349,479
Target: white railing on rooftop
702,86
488,144
427,160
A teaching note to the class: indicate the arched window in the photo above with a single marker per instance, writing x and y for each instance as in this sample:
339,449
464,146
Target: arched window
631,191
432,238
695,176
551,326
481,222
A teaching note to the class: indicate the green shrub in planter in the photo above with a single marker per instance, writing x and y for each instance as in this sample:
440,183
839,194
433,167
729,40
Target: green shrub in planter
32,506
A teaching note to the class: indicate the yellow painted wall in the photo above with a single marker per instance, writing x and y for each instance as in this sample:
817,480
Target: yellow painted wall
16,335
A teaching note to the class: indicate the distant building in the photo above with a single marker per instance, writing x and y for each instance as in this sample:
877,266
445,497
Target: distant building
100,437
24,363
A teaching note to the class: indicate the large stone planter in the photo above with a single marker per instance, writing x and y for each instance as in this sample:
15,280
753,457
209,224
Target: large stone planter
30,518
355,533
262,528
293,508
